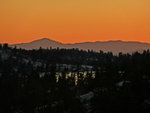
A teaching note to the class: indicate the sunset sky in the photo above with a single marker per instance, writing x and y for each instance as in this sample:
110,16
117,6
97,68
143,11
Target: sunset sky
71,21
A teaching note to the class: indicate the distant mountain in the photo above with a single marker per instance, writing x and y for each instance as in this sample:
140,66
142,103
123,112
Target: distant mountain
106,46
44,43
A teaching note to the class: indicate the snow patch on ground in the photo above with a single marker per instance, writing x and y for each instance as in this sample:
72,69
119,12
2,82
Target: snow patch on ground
87,96
120,84
4,56
37,64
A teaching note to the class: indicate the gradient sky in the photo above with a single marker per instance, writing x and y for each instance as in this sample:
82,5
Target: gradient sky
71,21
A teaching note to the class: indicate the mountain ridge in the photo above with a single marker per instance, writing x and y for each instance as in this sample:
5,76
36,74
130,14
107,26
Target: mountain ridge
114,46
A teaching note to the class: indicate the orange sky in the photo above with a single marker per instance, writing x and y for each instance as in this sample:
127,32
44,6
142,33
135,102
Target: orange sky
70,21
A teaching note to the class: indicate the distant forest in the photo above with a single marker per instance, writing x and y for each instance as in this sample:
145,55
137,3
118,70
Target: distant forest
73,81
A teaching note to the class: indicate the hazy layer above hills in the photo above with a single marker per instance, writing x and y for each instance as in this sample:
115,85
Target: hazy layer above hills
107,46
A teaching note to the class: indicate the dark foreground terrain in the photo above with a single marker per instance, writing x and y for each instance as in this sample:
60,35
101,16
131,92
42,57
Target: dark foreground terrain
73,81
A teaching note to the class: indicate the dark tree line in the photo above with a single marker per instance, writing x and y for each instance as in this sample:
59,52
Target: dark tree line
28,82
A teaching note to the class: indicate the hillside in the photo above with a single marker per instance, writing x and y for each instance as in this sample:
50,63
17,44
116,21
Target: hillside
106,46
